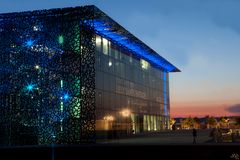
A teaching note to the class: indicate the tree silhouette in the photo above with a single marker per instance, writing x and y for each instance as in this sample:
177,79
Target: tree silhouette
211,122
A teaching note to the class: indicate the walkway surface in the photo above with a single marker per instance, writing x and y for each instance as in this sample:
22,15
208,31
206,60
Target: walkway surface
181,137
163,145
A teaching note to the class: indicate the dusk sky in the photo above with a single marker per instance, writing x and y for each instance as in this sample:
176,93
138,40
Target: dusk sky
200,37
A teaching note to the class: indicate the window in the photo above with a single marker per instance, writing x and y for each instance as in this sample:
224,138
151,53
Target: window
130,59
98,43
99,98
116,54
105,46
144,64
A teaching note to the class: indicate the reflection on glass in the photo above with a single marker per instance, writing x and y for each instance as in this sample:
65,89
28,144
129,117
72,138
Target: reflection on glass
125,80
144,64
105,46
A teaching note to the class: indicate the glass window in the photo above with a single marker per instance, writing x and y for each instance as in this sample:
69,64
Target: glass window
98,43
136,62
117,68
130,59
117,101
112,52
111,65
105,62
109,47
116,54
99,98
149,122
122,70
106,81
120,55
98,61
145,123
105,46
99,79
129,73
112,101
106,100
144,64
112,84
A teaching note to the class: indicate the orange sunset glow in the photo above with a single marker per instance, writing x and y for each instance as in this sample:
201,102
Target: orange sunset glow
199,109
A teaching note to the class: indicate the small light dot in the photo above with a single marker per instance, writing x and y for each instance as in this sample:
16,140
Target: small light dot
37,67
29,43
60,39
66,96
30,87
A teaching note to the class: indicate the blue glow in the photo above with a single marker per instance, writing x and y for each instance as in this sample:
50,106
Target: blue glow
106,31
30,87
66,97
29,43
165,92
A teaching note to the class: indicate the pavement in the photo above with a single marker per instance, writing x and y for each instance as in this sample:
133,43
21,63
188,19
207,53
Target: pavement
157,145
177,137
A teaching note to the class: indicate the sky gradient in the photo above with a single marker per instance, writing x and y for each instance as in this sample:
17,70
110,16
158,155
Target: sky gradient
200,37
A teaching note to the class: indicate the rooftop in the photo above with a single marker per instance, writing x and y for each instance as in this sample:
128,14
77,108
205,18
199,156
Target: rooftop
108,28
111,30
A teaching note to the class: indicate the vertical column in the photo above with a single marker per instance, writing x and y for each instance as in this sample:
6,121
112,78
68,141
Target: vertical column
87,41
165,93
166,99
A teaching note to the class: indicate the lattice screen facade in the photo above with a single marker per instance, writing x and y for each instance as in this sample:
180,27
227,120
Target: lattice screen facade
47,80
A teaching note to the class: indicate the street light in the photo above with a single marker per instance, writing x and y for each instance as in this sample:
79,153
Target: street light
125,113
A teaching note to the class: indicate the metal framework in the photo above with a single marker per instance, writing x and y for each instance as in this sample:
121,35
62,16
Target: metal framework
47,77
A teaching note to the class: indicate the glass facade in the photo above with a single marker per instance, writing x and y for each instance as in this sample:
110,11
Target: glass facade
125,83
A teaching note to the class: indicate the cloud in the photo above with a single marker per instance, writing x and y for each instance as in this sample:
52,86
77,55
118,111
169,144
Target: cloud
234,108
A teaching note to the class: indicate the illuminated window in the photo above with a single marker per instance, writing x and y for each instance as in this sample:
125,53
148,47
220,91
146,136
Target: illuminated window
98,40
110,63
130,59
109,47
105,46
98,43
144,64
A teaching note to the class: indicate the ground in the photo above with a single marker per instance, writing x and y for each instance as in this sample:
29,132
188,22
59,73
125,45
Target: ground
163,145
181,137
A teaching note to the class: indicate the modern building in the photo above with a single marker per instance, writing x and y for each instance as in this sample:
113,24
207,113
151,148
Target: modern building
72,75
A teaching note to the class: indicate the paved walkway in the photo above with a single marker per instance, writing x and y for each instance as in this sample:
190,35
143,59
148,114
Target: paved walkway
181,137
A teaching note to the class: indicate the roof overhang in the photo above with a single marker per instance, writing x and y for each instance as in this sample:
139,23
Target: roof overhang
111,30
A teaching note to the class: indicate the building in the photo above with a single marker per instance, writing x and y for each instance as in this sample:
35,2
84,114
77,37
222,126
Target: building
72,75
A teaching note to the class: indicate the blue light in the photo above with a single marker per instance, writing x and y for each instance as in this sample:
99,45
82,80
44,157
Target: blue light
29,43
66,96
105,30
30,87
165,92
